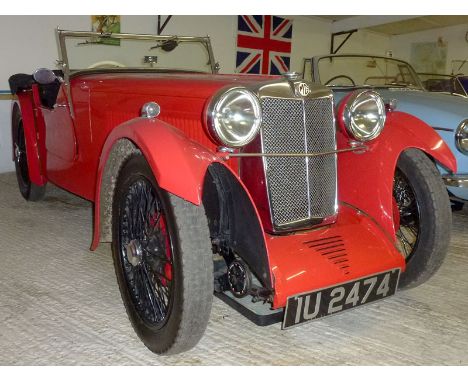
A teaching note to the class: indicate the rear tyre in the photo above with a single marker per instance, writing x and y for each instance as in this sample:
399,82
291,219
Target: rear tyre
162,259
423,217
30,191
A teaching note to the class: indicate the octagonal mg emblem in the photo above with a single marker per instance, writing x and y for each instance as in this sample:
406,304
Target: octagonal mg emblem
303,89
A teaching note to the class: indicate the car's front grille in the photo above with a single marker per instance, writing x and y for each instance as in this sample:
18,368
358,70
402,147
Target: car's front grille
300,189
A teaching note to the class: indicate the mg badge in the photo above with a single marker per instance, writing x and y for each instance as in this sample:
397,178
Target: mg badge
303,89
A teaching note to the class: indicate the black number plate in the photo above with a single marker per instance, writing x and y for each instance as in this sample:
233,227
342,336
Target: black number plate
334,299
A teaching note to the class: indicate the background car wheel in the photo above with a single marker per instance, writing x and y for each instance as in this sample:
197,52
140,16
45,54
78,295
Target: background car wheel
456,205
29,190
163,261
423,217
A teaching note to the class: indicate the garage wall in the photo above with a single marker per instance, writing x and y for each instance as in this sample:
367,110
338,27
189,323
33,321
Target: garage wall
365,42
457,48
28,42
310,36
6,163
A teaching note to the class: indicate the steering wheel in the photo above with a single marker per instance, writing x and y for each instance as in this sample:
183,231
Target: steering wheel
106,64
341,76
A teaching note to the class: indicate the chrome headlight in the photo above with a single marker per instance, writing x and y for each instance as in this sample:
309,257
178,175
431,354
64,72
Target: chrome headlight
461,137
234,117
364,115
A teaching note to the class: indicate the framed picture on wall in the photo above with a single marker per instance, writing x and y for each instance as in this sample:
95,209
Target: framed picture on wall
106,24
429,57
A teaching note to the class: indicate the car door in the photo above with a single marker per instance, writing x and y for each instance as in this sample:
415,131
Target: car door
60,131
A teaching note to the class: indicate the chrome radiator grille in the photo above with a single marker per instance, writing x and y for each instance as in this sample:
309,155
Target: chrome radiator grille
300,189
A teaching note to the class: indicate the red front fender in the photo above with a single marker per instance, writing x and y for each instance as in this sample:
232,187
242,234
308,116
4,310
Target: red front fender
178,163
366,179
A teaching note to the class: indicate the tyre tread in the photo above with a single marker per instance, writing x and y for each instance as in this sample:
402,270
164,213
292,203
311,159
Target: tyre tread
198,285
433,254
195,255
29,191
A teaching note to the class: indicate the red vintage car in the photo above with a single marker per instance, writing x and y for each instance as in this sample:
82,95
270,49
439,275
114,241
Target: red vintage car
256,188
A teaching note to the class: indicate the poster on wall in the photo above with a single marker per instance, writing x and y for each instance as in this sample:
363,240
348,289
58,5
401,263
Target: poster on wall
263,44
429,57
106,24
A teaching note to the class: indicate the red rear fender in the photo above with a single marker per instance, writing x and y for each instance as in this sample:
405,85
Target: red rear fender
31,129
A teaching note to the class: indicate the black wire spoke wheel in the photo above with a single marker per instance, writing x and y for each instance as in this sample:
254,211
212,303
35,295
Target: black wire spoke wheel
146,252
20,156
409,217
162,258
422,217
29,191
239,278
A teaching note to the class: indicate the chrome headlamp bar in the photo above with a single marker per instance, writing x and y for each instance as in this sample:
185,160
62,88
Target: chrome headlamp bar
358,149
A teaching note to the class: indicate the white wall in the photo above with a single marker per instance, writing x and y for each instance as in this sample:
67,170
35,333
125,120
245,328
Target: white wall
28,42
311,36
366,42
6,164
457,48
34,45
221,30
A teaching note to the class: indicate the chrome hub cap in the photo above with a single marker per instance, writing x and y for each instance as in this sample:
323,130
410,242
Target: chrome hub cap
134,252
18,153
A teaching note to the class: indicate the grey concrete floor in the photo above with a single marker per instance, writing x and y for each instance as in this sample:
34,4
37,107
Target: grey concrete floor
60,305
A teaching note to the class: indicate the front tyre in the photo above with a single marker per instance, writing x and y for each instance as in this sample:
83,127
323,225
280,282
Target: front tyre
423,217
30,191
162,259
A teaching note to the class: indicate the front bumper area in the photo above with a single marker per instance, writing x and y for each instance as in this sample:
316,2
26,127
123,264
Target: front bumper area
353,247
457,180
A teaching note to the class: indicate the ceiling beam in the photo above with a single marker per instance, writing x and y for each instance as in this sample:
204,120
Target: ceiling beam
359,22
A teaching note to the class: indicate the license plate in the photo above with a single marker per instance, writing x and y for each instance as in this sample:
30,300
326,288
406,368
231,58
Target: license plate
337,298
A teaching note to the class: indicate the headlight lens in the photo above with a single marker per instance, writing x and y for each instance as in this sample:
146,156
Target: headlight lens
461,137
364,115
235,117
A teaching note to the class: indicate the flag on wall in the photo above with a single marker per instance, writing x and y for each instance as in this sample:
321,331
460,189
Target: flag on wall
263,44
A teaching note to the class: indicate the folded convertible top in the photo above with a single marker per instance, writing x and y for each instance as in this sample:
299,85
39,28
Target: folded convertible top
20,81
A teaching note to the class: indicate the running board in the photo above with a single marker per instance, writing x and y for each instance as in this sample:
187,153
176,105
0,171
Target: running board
259,313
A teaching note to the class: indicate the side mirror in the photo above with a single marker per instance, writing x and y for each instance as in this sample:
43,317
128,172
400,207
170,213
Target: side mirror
169,45
44,76
166,45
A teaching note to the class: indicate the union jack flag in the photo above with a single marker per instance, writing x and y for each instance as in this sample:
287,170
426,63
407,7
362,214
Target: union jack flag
263,44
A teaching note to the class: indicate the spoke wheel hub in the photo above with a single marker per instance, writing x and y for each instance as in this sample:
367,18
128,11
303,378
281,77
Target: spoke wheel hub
146,252
239,278
134,252
17,152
